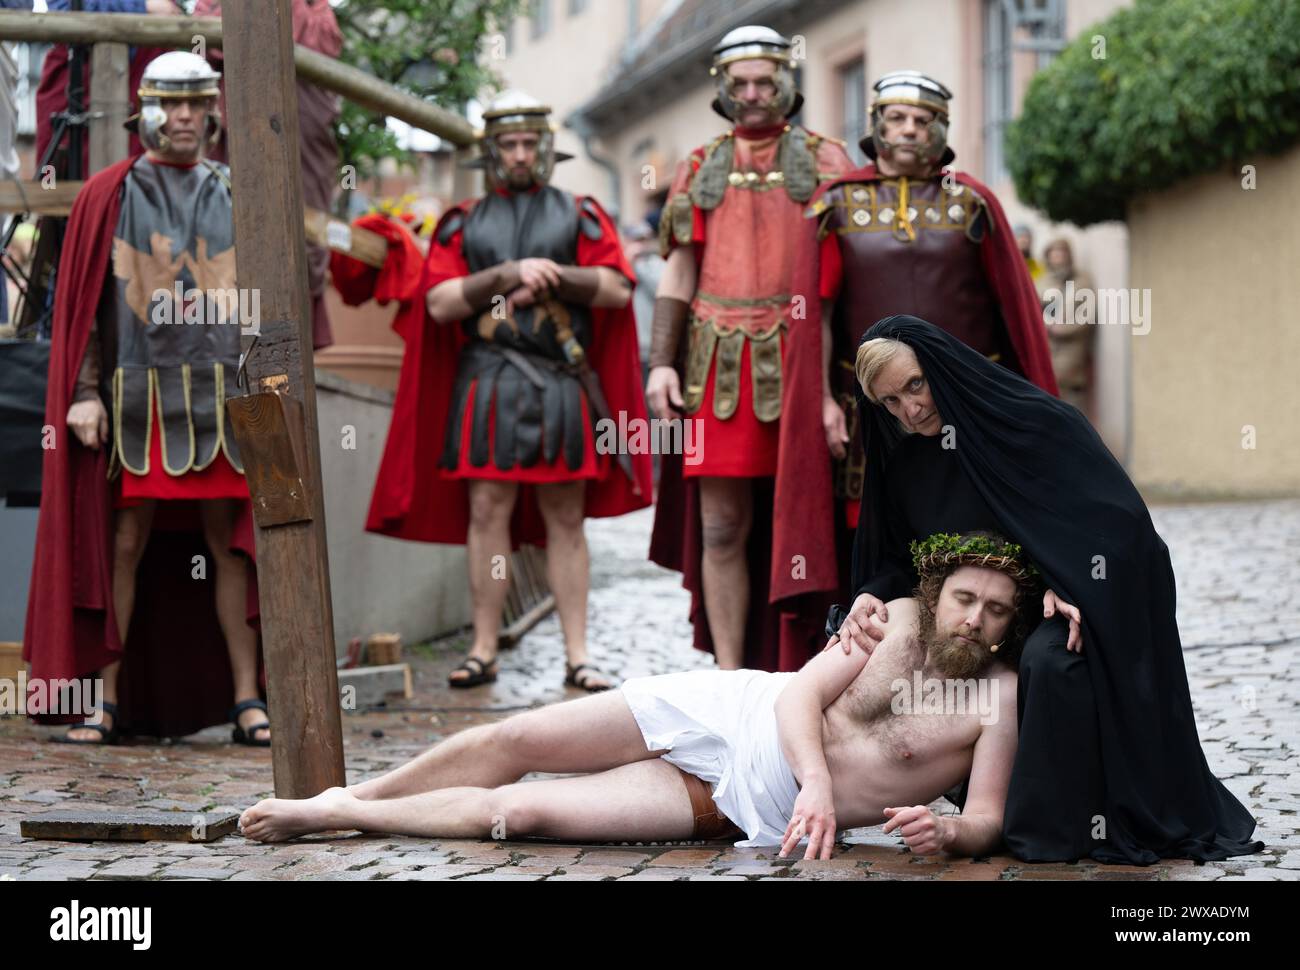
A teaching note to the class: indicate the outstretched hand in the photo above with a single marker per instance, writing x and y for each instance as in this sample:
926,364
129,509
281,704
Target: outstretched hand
1052,603
924,832
813,816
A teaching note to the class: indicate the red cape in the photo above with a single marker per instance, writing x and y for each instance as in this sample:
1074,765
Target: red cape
1007,273
176,677
792,567
411,499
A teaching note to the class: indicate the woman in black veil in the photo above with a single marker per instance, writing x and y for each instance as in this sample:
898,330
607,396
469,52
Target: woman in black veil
1109,765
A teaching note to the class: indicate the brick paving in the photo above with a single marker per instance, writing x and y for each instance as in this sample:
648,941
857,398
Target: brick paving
1238,571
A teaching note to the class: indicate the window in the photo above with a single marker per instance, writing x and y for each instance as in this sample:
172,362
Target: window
539,15
853,107
1011,27
508,32
576,7
997,88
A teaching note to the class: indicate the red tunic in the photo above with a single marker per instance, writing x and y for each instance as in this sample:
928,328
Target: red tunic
746,282
219,480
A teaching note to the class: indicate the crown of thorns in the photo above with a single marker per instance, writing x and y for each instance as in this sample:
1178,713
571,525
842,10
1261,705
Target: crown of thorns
945,548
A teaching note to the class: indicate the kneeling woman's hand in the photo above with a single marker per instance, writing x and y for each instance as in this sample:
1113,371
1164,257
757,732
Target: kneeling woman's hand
858,626
1052,603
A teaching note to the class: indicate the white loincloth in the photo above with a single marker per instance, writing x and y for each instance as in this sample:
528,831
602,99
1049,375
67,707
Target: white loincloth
720,726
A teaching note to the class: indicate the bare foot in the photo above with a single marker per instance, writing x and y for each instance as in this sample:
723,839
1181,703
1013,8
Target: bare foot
278,819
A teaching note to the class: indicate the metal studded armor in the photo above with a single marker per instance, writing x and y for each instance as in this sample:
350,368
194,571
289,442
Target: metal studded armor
921,240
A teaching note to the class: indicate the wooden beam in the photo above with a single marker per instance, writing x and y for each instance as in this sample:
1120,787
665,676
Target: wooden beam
321,228
29,195
292,560
334,234
110,104
129,826
357,86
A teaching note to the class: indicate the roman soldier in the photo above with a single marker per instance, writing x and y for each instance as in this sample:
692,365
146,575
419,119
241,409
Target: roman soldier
908,234
737,298
145,530
521,356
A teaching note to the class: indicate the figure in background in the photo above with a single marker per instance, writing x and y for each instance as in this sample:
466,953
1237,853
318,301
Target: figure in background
1069,320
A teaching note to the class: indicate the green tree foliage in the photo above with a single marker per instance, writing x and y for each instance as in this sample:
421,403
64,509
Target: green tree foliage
1184,87
438,50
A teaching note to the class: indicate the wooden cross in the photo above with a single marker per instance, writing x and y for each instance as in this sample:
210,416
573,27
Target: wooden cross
292,564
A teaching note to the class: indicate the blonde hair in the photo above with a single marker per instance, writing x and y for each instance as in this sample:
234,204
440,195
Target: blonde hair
873,356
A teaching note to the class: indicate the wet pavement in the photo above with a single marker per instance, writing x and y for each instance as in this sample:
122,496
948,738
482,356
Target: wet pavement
1238,575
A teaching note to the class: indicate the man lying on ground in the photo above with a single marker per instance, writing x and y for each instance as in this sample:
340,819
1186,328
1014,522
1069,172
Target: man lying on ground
777,757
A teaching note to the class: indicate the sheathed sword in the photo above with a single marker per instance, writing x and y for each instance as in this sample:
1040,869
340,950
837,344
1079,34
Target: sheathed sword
589,379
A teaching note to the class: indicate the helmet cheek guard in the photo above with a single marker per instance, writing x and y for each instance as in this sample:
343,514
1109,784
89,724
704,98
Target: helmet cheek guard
214,125
153,118
544,167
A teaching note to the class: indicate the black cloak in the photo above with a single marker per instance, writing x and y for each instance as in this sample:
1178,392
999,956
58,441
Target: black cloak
1055,488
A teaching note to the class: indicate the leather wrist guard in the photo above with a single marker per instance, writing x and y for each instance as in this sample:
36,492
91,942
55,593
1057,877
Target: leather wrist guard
87,384
482,287
666,333
578,284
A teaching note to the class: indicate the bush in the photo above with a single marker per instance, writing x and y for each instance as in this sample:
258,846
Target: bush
1185,87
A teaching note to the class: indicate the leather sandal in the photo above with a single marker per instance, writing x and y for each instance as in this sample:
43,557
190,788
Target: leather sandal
246,736
481,673
106,735
582,675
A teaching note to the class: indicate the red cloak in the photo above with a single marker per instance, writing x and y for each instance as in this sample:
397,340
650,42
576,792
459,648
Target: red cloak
411,499
176,678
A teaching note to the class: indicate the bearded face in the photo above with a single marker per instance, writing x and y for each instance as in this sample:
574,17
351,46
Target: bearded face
973,612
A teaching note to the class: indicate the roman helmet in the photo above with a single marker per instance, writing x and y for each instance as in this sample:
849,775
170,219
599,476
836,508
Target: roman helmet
914,88
750,43
176,74
514,111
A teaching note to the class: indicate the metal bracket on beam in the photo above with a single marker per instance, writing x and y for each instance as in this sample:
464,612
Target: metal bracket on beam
271,433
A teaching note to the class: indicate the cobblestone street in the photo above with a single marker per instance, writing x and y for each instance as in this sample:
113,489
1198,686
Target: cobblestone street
1238,573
